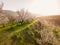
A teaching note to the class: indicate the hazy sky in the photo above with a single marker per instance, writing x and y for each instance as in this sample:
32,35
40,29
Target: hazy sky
36,6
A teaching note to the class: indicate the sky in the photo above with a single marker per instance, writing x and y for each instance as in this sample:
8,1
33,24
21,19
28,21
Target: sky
44,7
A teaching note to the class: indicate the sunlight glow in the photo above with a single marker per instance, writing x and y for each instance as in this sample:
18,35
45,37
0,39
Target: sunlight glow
45,7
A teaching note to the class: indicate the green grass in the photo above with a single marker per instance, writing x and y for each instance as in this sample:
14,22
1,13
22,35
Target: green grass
9,30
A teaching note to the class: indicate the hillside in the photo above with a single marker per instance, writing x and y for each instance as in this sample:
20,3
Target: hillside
27,30
34,33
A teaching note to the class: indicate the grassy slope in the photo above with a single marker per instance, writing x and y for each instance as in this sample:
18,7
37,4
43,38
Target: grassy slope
25,34
8,31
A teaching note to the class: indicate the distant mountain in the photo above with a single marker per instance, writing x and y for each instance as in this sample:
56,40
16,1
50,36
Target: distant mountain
52,19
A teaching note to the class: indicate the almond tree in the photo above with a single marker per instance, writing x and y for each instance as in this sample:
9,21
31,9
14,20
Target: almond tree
24,15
